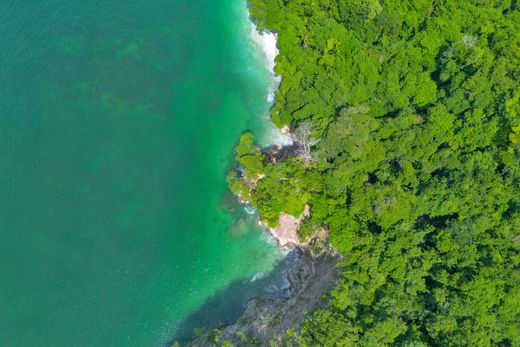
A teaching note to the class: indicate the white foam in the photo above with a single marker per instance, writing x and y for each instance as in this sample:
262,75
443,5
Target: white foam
266,41
250,209
276,137
257,276
270,95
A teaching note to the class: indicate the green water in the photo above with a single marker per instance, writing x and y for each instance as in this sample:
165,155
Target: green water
117,125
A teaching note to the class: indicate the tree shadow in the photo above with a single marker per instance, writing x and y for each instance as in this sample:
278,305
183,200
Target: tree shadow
227,305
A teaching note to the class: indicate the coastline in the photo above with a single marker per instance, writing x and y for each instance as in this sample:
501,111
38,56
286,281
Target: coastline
312,263
285,234
370,163
265,321
266,42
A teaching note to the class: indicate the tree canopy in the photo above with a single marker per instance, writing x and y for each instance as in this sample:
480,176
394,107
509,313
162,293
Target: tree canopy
415,166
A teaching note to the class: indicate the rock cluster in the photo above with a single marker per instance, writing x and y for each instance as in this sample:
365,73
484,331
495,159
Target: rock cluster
265,321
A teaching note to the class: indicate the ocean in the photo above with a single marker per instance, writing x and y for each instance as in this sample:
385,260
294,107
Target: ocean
118,122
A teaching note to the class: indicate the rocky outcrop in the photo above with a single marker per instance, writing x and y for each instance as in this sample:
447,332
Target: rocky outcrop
286,233
285,130
265,321
277,153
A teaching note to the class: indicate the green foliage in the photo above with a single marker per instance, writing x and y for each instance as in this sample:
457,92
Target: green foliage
417,171
280,191
238,186
249,156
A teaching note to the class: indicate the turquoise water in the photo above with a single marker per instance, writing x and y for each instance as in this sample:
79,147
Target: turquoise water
117,125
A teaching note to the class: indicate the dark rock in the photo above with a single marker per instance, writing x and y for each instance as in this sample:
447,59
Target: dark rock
265,321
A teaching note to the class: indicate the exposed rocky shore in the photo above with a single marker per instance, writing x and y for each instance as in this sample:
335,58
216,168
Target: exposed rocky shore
265,321
313,272
286,233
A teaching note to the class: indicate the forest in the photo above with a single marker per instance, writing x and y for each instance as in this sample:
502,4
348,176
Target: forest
408,118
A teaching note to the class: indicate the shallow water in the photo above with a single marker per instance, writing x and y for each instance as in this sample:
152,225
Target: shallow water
117,125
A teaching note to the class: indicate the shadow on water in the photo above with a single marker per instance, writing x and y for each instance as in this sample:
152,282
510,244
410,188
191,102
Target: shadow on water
226,306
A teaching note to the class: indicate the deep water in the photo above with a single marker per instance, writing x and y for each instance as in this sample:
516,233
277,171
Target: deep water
117,125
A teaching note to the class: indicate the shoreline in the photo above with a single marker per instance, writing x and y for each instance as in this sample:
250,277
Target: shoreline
285,234
266,42
314,266
381,141
313,272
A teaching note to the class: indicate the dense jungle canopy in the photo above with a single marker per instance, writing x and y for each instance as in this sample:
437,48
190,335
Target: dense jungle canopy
413,116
